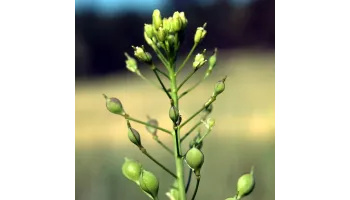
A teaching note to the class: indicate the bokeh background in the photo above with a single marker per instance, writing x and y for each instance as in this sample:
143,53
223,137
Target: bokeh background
244,135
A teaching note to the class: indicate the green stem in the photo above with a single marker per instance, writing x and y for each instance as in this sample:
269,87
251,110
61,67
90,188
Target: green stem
147,124
143,150
192,88
176,139
208,131
160,81
189,180
149,81
161,56
196,189
188,56
211,100
188,77
163,145
163,73
194,127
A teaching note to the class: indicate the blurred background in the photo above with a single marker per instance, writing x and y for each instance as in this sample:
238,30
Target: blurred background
244,135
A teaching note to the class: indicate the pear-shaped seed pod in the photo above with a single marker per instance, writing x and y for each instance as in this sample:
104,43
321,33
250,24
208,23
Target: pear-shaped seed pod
132,170
149,183
134,136
114,105
194,158
245,184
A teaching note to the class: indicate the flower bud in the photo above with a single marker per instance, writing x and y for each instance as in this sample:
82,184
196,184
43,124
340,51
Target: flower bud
245,184
199,61
134,136
156,19
150,129
142,55
174,114
183,20
176,23
149,183
210,123
161,34
114,105
131,63
170,21
148,30
194,159
219,87
148,39
173,193
200,34
132,170
166,25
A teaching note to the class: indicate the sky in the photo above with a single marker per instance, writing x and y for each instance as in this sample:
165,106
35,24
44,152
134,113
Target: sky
112,6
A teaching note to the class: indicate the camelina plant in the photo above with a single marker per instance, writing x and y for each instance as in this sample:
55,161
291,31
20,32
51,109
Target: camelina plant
165,36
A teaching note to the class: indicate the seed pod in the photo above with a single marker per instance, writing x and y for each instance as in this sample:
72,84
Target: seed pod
245,184
150,129
132,170
212,60
134,136
174,114
156,19
114,105
194,159
149,183
219,87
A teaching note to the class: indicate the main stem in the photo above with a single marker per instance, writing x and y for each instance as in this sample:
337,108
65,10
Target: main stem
176,139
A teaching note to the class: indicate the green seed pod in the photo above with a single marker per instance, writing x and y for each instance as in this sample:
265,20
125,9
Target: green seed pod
156,19
131,63
200,34
132,170
232,198
149,183
114,105
134,136
245,184
161,34
212,60
176,23
194,159
219,87
150,129
174,114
